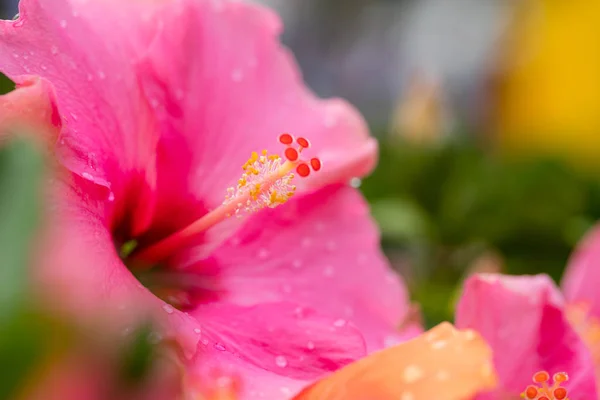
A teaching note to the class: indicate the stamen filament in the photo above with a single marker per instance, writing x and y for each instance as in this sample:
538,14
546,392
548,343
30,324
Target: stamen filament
180,238
266,182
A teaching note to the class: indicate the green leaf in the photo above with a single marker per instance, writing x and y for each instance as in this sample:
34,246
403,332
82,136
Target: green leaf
21,166
6,85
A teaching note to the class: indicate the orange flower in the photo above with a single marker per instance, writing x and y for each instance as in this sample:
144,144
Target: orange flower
443,363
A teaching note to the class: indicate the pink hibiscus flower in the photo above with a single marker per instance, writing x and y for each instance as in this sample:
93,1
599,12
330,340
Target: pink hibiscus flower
532,326
152,109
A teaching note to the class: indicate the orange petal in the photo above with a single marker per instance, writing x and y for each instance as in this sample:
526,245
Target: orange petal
31,105
443,363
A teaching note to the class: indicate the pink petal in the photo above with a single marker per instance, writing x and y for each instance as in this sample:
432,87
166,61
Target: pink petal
273,346
321,251
522,319
223,87
580,282
108,134
79,270
31,105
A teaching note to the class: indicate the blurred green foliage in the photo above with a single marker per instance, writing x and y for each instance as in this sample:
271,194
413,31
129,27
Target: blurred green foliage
22,336
445,205
6,85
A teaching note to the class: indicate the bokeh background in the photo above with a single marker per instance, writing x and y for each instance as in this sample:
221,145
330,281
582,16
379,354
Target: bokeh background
488,116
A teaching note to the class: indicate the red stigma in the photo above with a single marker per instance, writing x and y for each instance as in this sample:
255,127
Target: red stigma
315,163
560,393
291,154
286,138
303,170
541,376
545,391
531,392
302,142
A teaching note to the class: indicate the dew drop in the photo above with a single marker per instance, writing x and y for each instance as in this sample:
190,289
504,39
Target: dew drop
355,182
168,309
43,67
197,331
204,341
263,254
63,23
219,347
339,323
310,345
111,196
237,75
286,390
16,17
281,361
15,55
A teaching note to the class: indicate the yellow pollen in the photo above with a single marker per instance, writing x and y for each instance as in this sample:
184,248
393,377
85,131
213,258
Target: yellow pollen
266,182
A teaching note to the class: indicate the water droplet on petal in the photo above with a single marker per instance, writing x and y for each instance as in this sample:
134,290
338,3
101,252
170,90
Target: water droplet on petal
43,67
310,345
63,23
197,331
111,196
339,323
355,182
281,361
16,17
168,309
263,254
328,271
219,347
237,75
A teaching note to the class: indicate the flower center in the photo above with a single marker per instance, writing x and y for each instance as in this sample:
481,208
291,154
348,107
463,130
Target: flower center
266,181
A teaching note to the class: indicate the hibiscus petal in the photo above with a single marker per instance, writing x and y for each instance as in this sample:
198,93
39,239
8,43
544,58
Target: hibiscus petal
224,87
321,251
275,348
31,105
108,134
78,270
580,283
522,318
443,364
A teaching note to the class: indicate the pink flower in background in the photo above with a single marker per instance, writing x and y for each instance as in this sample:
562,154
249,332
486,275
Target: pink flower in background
532,326
152,109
